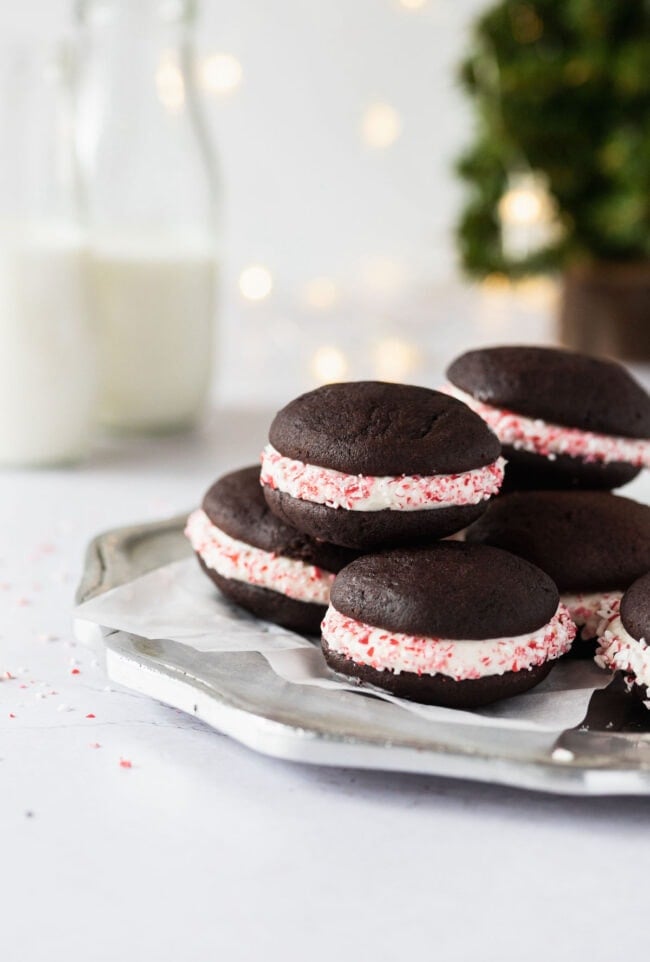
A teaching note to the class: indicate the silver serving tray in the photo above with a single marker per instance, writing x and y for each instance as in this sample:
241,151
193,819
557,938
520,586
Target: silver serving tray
240,695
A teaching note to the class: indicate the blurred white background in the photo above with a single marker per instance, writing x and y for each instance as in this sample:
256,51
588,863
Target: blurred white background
337,124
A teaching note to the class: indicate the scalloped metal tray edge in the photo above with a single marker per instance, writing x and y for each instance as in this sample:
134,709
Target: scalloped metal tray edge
239,695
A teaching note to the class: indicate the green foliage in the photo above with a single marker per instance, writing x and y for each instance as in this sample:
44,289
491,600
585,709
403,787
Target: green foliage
561,87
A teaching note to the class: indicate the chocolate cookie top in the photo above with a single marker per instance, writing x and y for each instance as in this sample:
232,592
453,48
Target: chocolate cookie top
556,386
373,428
236,504
585,540
635,609
449,590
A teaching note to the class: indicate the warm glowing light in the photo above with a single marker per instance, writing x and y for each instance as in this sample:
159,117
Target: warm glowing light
528,215
170,84
380,125
255,282
394,358
413,4
321,293
503,303
382,275
496,283
526,202
220,73
521,207
538,293
328,364
495,306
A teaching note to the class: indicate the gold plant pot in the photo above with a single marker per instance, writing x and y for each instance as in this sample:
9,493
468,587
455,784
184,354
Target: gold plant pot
605,310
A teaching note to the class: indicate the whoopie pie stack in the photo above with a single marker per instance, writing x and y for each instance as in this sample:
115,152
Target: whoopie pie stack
349,467
564,419
369,465
361,481
257,560
593,544
452,624
572,428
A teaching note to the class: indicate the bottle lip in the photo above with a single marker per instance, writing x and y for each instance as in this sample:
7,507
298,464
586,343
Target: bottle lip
169,11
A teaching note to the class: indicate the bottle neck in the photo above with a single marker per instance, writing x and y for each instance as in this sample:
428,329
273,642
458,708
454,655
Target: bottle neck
144,149
136,58
140,30
96,13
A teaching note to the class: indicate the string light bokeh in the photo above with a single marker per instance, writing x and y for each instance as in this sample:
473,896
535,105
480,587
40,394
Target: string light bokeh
380,125
170,83
220,73
328,364
527,214
255,282
339,256
413,4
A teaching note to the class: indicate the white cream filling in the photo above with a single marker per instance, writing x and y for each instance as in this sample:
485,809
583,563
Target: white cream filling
394,651
243,562
358,492
619,651
590,610
550,440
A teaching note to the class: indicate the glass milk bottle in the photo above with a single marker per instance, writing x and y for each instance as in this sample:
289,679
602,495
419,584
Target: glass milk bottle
47,356
149,177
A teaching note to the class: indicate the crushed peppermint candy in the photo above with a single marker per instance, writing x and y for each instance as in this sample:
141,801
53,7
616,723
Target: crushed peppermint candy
460,660
551,440
244,562
360,492
619,651
590,610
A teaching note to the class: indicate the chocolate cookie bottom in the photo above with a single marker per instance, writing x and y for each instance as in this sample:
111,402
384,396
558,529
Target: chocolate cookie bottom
440,689
528,471
301,616
371,529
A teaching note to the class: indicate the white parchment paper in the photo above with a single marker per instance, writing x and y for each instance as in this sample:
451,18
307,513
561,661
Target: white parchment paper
178,603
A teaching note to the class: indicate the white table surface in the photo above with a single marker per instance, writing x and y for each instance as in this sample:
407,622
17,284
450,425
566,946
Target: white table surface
204,850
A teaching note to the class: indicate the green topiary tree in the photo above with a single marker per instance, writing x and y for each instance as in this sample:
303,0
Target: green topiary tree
561,88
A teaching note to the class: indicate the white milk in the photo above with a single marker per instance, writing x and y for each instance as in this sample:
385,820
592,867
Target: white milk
155,308
47,350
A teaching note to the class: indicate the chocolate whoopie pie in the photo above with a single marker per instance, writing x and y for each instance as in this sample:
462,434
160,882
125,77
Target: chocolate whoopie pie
367,464
564,419
624,645
593,544
258,561
452,624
